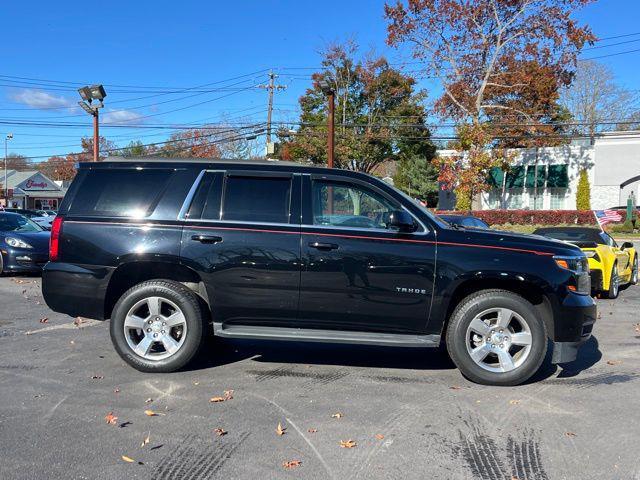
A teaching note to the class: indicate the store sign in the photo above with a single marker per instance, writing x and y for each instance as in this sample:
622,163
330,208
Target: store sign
32,185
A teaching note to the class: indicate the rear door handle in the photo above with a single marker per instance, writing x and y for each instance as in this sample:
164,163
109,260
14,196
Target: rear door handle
206,238
323,246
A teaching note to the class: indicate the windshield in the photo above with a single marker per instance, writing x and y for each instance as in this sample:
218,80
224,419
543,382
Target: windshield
18,223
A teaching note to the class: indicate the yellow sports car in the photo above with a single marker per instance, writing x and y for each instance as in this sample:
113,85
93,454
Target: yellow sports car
610,265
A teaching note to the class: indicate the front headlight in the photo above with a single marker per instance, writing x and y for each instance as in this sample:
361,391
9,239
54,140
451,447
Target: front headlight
16,243
579,266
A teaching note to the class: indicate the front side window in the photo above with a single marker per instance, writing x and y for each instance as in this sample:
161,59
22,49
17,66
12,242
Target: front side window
348,205
18,223
257,199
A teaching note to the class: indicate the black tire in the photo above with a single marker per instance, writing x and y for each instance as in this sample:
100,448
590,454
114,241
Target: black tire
475,304
191,307
1,264
614,283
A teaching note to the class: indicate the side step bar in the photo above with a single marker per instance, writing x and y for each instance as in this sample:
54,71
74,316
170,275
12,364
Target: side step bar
326,336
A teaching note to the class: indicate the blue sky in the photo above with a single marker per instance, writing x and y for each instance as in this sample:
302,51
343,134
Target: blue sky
131,46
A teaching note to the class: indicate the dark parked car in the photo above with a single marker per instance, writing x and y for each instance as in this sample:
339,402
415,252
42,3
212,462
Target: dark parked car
468,221
24,245
40,217
272,250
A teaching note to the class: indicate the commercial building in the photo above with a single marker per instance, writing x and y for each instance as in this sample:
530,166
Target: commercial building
547,178
31,189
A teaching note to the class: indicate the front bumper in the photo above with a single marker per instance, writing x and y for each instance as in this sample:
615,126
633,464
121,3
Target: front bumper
22,260
574,321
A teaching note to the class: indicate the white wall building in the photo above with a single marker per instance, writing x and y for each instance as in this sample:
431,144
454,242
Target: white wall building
547,178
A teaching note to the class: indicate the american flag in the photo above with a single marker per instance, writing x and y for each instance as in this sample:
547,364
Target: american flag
607,216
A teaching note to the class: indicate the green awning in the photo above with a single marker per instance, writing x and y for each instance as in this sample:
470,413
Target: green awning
515,177
496,175
558,176
535,175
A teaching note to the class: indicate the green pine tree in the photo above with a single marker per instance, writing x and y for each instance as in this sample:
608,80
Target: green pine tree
583,194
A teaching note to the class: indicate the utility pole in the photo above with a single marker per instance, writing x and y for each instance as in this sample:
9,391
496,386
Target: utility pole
271,87
328,90
6,188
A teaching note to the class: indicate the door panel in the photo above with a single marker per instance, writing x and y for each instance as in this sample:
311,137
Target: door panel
356,273
379,283
251,276
242,236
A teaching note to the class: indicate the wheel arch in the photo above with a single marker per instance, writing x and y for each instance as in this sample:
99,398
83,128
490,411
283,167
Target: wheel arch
132,273
531,291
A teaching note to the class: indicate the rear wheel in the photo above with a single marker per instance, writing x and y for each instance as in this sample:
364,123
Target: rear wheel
634,272
614,283
158,326
496,337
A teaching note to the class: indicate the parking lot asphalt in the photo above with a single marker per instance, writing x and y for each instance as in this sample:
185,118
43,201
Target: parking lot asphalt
409,412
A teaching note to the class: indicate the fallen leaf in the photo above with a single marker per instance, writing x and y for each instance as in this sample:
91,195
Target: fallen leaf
148,400
217,399
279,430
337,415
637,327
599,316
116,390
111,419
78,321
312,430
454,387
127,459
227,395
97,377
570,434
614,362
514,402
348,444
146,440
151,413
44,320
220,431
291,464
379,436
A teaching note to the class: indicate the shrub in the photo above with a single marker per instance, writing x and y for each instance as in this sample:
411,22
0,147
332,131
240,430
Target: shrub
583,193
463,200
626,227
531,217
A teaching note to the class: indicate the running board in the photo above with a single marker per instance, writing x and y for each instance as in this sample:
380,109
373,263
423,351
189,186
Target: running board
325,336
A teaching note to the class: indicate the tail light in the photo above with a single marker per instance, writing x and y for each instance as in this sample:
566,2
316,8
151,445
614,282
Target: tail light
54,243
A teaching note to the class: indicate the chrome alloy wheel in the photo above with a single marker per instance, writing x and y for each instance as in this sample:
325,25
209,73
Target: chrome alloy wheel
615,280
498,340
155,328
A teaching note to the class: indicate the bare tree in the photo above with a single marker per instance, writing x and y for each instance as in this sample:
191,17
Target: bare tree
596,100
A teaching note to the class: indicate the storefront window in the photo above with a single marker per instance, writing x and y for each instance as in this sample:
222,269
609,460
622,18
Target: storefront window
557,198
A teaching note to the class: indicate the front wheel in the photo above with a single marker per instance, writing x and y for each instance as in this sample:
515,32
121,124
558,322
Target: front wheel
158,326
496,337
634,272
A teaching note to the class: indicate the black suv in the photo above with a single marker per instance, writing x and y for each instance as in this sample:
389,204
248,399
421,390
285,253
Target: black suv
170,250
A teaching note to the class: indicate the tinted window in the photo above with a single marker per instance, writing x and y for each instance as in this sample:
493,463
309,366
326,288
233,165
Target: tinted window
573,235
349,205
206,201
120,193
17,223
257,199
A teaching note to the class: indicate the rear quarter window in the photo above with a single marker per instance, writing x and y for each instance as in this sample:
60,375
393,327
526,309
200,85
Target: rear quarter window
120,192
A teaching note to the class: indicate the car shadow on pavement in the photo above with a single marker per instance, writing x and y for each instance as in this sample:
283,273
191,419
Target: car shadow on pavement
227,351
588,355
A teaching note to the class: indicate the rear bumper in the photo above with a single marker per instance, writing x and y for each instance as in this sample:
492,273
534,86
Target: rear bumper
574,321
76,290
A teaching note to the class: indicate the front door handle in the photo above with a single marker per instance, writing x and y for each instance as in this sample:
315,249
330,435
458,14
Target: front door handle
323,246
206,238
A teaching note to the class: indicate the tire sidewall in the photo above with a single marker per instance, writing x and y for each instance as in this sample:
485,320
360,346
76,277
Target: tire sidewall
466,312
613,292
185,299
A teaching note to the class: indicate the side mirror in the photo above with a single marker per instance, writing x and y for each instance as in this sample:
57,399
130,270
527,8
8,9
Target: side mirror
626,245
402,221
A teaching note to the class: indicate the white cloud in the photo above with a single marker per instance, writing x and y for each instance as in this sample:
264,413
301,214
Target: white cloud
121,117
39,99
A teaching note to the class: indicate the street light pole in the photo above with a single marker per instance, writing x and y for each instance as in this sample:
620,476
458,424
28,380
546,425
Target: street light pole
6,189
88,94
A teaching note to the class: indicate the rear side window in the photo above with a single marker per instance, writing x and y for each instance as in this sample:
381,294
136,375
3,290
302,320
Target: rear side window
120,192
257,199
